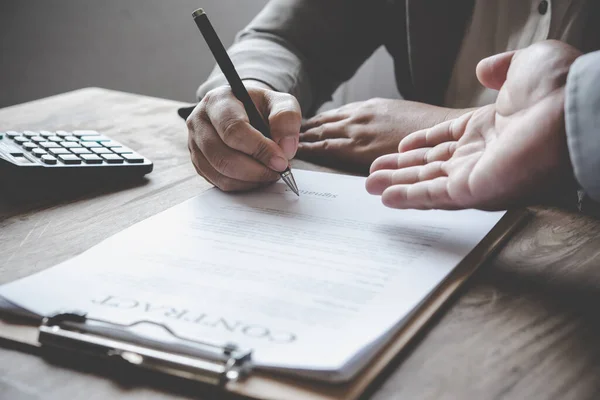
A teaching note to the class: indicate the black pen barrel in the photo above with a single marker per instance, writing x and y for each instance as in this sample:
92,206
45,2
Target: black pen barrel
226,65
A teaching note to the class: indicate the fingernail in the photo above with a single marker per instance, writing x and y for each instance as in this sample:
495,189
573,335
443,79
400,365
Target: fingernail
289,145
278,164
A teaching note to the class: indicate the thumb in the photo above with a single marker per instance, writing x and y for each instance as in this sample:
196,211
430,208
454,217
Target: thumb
492,71
285,120
282,112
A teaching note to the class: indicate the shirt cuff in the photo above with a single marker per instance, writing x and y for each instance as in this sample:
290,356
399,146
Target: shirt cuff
267,62
588,206
582,118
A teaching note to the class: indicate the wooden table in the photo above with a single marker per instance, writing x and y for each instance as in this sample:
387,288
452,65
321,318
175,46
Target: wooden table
527,326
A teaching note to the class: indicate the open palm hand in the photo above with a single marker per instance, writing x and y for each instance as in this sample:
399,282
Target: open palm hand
510,153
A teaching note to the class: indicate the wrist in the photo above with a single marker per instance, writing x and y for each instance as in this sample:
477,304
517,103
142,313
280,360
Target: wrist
256,84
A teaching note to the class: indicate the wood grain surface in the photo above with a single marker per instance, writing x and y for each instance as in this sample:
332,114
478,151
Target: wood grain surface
525,327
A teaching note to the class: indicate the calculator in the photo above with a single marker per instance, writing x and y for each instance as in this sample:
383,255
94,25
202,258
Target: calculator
67,156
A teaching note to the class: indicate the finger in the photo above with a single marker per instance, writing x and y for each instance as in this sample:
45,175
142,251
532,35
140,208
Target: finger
230,121
285,119
446,131
492,71
335,130
432,194
229,162
225,183
441,152
331,148
402,160
427,137
389,161
326,117
195,155
378,182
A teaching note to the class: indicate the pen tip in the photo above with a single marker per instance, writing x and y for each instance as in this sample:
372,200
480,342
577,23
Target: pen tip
288,178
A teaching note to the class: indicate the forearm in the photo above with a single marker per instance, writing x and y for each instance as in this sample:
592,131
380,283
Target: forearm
305,47
582,117
265,63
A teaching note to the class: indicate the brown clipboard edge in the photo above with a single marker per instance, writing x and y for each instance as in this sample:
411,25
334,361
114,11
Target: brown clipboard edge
268,386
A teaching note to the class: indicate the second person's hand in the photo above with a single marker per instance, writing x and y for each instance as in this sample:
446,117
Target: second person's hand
354,135
509,154
228,152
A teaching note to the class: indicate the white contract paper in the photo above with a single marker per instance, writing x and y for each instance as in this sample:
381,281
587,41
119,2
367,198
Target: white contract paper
312,284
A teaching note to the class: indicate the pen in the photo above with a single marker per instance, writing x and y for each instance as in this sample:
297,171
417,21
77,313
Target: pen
237,86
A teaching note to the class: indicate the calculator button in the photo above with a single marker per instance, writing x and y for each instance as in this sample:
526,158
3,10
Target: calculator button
121,150
63,133
12,134
112,158
47,159
101,150
29,146
69,144
46,133
133,158
21,139
70,139
91,159
95,139
38,139
111,143
91,144
49,145
58,151
85,133
30,134
21,159
69,159
80,150
38,152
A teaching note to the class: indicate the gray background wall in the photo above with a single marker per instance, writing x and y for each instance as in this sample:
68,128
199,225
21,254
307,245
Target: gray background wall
150,47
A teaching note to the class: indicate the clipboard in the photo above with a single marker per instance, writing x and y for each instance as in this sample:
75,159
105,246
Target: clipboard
229,368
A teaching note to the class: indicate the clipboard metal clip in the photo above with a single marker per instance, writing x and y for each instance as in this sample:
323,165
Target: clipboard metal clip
189,359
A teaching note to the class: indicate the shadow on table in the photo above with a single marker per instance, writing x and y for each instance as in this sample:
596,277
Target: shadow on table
22,197
577,294
126,378
555,264
326,164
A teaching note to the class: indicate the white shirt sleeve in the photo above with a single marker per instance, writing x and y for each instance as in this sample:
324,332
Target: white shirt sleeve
582,114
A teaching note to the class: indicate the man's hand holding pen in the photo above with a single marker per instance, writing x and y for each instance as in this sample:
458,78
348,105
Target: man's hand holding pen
229,152
239,137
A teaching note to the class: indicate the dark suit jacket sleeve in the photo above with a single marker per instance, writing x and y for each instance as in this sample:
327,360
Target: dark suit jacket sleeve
582,113
305,47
